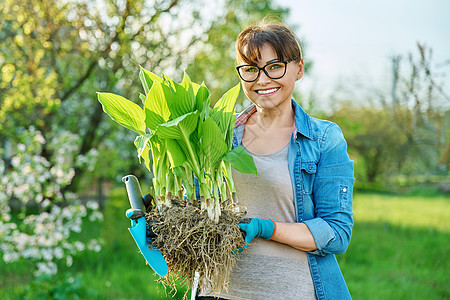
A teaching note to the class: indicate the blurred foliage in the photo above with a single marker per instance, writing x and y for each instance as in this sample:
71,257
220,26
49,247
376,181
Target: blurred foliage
54,56
405,132
371,137
60,287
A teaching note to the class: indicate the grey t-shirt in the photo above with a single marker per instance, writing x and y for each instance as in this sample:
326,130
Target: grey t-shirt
268,269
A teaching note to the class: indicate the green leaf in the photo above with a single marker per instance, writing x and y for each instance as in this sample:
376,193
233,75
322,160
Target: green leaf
224,119
156,150
195,87
228,99
216,115
156,109
123,111
141,142
202,99
229,134
213,145
189,87
225,110
146,156
180,128
226,169
142,97
241,160
180,98
162,167
147,78
143,148
175,153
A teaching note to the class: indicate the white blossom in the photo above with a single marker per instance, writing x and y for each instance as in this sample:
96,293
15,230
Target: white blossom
58,252
21,147
46,268
43,238
96,216
94,245
92,205
79,246
69,260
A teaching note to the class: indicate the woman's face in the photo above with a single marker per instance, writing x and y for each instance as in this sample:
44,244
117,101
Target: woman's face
267,93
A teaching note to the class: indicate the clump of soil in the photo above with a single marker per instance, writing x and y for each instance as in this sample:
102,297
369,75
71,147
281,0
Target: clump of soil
191,242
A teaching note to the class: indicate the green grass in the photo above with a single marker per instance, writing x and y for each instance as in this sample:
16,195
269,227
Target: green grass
405,211
399,250
391,262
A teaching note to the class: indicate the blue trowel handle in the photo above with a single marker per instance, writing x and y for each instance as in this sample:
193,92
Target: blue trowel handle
139,226
134,192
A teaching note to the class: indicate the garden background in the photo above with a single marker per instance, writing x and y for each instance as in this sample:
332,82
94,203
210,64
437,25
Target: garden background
63,230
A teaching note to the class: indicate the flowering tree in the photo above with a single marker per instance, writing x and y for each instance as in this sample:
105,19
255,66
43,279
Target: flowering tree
46,215
53,56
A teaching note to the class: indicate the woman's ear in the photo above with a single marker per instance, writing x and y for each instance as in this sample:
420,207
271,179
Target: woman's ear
300,70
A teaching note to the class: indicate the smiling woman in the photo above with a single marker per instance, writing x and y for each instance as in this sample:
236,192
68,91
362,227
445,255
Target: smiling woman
277,52
300,204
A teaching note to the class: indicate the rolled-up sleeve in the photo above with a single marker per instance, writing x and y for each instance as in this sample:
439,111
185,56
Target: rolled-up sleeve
332,193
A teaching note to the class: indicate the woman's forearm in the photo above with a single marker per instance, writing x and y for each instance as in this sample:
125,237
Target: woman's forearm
296,235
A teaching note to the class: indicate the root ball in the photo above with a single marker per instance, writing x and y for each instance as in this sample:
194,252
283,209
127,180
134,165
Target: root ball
191,242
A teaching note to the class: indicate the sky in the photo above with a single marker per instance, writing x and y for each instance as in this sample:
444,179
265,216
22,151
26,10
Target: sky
352,41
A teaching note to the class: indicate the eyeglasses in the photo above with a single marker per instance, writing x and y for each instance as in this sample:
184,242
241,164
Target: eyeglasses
273,70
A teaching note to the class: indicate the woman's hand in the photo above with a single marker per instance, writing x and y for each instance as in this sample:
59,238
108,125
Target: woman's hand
256,227
296,235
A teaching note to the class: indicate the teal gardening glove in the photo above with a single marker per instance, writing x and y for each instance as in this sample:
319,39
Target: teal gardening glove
255,227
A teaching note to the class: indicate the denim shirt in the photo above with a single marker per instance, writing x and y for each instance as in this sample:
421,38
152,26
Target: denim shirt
322,178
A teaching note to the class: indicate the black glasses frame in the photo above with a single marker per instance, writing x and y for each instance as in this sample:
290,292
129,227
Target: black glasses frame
264,69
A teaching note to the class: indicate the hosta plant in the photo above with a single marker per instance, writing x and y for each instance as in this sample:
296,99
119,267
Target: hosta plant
187,145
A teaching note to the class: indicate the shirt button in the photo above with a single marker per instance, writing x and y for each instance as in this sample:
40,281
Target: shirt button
344,190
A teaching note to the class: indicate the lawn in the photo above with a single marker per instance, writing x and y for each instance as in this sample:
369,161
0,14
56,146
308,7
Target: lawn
399,250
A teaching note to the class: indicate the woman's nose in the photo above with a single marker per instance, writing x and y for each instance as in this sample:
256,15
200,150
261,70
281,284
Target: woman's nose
263,78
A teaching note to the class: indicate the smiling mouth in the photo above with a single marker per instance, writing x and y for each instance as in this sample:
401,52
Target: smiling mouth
268,91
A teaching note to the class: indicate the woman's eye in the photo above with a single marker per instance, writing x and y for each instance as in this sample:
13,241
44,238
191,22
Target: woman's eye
251,69
275,66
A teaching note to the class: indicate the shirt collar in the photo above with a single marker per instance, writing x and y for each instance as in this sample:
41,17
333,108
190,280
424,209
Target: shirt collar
302,121
243,116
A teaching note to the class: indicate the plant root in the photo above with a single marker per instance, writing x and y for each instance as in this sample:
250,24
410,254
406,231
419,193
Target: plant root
191,242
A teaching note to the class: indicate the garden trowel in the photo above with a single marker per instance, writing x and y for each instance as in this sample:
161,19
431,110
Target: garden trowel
139,227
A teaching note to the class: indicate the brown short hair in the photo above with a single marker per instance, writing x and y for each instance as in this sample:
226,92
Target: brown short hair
280,37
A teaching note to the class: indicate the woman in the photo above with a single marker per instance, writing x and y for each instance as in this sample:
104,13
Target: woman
301,201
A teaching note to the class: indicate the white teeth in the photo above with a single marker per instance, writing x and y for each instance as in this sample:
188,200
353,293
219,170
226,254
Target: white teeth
264,92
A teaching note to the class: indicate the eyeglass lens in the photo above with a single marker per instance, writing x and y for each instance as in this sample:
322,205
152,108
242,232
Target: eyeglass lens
273,70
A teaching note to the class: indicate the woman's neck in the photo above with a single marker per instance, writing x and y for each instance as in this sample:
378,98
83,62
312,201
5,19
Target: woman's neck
278,117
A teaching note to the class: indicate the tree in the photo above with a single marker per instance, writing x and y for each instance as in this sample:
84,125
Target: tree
54,56
371,138
419,105
405,131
